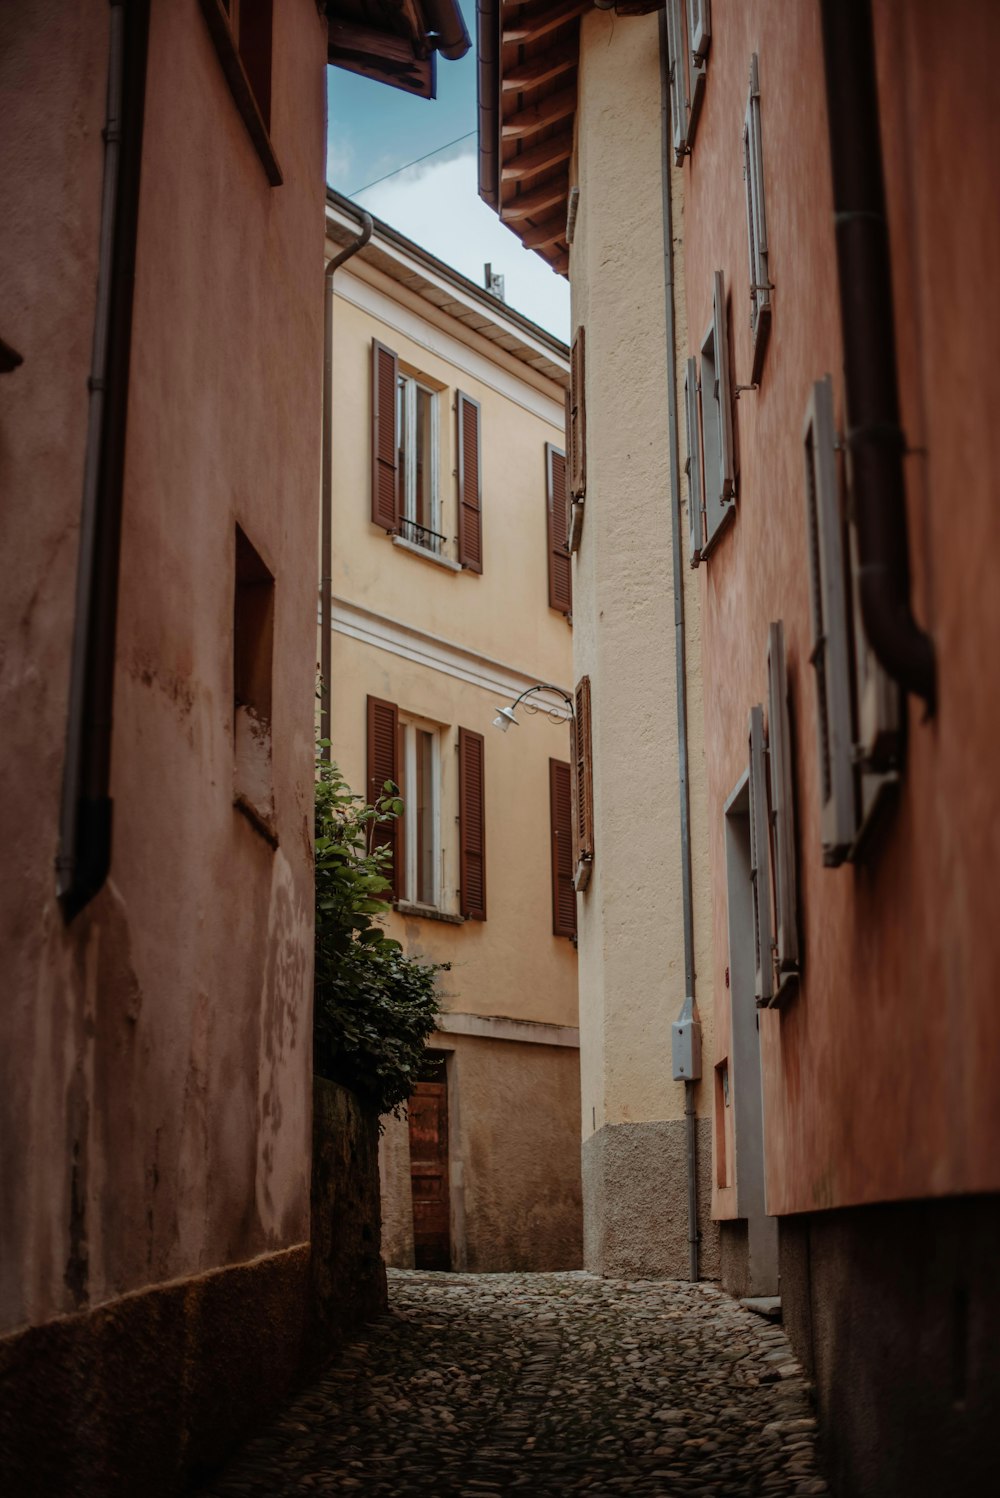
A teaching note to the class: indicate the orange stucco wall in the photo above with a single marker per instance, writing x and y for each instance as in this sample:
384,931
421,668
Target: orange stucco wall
880,1076
155,1056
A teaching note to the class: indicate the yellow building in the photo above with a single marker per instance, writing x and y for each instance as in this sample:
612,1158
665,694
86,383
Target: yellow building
449,597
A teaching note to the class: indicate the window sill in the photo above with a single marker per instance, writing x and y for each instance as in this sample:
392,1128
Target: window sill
239,87
261,822
427,912
425,555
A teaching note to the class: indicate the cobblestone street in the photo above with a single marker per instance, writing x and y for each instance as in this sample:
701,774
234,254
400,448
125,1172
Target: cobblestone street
545,1384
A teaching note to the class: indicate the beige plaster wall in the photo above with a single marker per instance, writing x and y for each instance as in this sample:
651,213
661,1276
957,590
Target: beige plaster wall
514,1159
632,983
156,1054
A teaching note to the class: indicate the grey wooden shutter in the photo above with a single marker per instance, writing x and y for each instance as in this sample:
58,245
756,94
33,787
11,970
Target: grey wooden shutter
699,14
385,438
577,439
693,465
384,764
677,63
561,838
760,875
753,173
557,519
779,743
720,326
824,531
583,785
470,501
472,824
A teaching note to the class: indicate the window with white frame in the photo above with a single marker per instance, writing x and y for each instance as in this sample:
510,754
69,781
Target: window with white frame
421,883
417,427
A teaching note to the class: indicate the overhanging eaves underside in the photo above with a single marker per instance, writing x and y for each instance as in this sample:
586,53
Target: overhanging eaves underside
529,53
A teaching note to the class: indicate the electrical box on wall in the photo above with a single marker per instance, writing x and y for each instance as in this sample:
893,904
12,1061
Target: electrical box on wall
685,1045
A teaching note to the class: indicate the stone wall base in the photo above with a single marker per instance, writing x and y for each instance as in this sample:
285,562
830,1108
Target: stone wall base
150,1391
635,1205
895,1312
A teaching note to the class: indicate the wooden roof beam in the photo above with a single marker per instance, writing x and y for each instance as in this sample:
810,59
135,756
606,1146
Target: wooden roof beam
530,204
539,158
536,116
551,232
544,18
554,63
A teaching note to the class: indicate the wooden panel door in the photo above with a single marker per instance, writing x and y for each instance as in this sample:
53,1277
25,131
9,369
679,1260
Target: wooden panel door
428,1115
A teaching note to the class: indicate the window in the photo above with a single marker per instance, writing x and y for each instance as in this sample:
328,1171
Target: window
692,467
561,839
753,179
242,33
583,786
689,36
717,421
781,818
417,463
470,484
859,741
253,642
576,436
421,789
472,824
560,568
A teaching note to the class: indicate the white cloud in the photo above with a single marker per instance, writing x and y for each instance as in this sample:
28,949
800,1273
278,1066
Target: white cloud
438,206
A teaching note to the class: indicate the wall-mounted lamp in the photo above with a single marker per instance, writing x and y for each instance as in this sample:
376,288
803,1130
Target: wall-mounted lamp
506,715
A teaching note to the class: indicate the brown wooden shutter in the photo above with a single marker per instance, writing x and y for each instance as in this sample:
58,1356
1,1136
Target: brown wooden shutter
561,829
560,567
470,487
385,438
583,785
472,824
384,763
576,441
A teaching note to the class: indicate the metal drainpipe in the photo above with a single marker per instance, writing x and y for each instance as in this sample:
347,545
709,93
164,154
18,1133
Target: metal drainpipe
326,542
453,40
875,437
680,666
84,855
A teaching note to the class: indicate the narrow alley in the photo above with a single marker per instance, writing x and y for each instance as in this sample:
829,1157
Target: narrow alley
546,1383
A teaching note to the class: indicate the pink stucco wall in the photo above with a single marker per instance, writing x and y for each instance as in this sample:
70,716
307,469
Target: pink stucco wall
155,1056
880,1076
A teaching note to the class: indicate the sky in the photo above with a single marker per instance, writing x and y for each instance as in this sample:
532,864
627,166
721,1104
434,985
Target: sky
374,130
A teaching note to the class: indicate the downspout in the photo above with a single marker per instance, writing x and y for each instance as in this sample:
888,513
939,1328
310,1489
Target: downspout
875,439
687,1021
84,855
326,527
487,100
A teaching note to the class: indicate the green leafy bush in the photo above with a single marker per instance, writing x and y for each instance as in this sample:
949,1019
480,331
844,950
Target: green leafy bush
375,1007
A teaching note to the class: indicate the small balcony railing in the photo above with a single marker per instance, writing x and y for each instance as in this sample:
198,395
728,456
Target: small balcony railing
423,536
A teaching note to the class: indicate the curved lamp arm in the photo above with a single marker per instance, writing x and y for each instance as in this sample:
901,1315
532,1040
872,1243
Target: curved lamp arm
506,717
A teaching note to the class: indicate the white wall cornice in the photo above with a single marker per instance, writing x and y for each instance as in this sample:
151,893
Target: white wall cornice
411,644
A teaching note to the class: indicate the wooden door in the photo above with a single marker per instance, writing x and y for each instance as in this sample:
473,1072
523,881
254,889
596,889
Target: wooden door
428,1115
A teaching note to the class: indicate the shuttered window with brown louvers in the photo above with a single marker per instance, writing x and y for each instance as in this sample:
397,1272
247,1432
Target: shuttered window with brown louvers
472,825
384,763
385,438
561,829
557,509
470,485
583,786
576,425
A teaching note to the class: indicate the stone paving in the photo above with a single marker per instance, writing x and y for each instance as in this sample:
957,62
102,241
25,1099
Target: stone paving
475,1385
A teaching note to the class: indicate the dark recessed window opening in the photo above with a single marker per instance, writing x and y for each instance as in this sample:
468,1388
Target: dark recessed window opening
253,648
